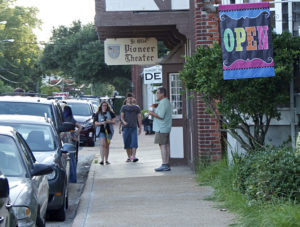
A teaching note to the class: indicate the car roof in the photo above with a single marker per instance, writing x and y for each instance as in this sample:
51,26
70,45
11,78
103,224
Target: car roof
27,99
30,119
7,130
77,101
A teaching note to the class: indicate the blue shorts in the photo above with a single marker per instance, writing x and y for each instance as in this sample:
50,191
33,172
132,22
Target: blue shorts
130,138
102,135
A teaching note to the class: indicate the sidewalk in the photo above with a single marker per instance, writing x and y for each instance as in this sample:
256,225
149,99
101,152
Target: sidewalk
133,194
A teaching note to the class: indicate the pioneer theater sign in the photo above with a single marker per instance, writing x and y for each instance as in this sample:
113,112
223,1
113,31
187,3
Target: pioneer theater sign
131,51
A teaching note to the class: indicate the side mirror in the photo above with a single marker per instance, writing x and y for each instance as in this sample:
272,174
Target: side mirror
68,148
41,169
4,188
66,126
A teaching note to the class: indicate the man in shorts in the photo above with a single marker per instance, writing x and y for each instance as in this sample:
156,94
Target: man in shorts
162,123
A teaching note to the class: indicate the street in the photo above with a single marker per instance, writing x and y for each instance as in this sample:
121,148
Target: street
86,156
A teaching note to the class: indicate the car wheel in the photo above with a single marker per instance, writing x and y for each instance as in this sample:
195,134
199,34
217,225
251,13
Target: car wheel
60,214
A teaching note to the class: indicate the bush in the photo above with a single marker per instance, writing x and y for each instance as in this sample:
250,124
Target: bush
222,177
269,174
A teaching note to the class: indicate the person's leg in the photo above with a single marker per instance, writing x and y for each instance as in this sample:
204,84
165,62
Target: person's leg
106,152
134,143
163,140
102,149
73,168
165,153
125,134
129,152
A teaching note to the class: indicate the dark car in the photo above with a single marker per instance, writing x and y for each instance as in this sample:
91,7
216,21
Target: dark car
26,105
43,139
28,185
7,216
83,114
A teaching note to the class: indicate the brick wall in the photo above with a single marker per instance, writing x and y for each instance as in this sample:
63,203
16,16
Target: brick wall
208,128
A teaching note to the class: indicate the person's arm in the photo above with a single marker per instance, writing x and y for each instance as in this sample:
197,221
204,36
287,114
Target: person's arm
122,119
120,127
113,120
140,122
155,115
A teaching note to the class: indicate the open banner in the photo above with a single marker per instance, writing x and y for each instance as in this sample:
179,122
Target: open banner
246,40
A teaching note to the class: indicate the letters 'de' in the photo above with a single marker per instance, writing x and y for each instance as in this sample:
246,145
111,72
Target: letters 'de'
246,40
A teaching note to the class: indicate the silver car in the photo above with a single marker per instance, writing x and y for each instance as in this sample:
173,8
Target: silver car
44,141
27,179
7,216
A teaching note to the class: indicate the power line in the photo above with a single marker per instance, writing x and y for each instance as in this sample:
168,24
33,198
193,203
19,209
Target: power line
4,78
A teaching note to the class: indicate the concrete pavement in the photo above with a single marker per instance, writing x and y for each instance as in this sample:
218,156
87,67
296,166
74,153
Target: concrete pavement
133,194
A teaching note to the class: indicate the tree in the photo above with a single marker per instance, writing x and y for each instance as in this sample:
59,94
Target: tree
18,59
5,88
236,102
77,52
48,90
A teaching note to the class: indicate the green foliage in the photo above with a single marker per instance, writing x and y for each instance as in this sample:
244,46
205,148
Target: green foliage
274,213
48,90
76,51
5,88
269,174
237,101
118,103
18,59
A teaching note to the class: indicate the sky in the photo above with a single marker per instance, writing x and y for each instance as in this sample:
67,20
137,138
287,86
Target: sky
54,13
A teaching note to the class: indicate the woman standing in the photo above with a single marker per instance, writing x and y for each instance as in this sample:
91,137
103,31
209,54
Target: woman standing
105,118
68,117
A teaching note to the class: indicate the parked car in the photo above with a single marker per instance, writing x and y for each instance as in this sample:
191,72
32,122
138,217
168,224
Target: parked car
7,216
26,105
29,189
83,113
43,140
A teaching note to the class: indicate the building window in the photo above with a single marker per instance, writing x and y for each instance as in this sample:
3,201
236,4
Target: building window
176,94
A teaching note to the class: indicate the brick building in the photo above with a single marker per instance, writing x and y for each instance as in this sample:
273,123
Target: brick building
182,25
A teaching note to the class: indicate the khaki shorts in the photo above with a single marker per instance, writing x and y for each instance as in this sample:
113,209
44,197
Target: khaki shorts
162,138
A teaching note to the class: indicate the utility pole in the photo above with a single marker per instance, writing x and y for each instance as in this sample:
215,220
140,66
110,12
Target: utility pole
292,102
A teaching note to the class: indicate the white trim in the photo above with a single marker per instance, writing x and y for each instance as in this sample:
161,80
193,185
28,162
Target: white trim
175,116
176,143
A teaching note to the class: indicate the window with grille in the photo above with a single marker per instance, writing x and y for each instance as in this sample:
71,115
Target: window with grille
176,95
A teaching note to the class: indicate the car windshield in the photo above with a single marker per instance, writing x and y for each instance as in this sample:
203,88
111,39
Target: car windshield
23,108
82,109
38,137
10,160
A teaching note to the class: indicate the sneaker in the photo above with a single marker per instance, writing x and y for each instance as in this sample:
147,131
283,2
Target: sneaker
163,167
107,162
135,160
101,163
128,160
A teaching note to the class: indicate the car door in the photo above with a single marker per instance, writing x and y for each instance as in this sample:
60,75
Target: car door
39,183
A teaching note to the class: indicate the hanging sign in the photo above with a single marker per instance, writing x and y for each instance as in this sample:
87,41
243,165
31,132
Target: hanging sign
153,75
246,40
131,51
